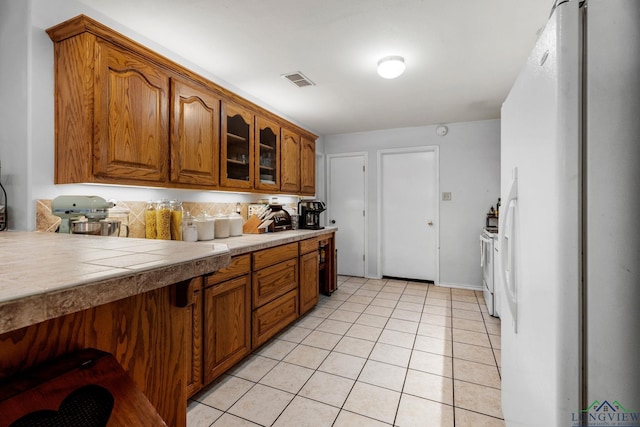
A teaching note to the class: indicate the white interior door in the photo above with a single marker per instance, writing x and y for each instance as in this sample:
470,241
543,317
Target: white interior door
345,209
408,188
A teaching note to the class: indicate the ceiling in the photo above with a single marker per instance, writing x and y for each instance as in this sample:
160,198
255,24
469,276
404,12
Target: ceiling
462,56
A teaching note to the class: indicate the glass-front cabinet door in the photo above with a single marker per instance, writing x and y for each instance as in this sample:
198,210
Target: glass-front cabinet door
267,164
236,152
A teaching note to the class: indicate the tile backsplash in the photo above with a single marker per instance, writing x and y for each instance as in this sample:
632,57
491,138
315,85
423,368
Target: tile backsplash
46,221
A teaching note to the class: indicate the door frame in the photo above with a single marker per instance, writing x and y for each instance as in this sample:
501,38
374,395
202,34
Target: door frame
426,148
321,184
365,162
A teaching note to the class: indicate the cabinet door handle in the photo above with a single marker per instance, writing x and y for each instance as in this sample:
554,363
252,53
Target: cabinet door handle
333,221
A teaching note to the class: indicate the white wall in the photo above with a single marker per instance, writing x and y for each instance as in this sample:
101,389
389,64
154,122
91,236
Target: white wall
27,111
15,135
469,169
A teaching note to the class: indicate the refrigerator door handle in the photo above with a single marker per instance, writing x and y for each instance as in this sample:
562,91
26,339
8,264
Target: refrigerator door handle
507,248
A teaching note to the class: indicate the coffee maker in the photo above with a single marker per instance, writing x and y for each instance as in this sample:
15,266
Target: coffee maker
310,211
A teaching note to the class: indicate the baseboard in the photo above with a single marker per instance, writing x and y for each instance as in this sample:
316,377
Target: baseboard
460,286
442,284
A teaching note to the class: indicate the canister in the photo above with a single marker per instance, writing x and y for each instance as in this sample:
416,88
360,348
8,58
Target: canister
189,228
122,214
163,220
205,225
222,225
150,220
176,219
235,224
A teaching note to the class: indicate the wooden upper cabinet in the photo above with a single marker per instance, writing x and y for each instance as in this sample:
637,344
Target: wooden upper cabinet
126,115
298,163
267,152
308,166
195,134
290,161
130,117
236,147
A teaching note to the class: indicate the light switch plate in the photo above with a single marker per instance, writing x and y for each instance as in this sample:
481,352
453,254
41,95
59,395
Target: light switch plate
446,196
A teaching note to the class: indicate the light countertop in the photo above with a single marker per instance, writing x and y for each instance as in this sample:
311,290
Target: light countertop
48,275
254,242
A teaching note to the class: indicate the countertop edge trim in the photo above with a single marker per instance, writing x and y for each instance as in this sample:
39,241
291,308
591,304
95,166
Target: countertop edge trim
27,311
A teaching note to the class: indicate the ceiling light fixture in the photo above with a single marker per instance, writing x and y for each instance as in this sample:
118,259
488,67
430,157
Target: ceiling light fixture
391,67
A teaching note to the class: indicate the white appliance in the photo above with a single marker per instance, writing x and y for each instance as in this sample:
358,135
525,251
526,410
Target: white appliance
568,240
487,261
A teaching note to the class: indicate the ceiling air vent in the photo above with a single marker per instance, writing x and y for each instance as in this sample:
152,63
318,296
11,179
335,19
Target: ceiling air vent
298,79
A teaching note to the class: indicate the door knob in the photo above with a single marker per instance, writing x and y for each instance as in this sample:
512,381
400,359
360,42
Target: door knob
430,223
333,221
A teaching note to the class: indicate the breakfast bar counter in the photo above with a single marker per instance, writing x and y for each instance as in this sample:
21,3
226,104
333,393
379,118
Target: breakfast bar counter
48,275
130,297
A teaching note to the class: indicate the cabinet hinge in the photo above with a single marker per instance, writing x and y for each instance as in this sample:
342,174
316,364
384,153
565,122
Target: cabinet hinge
363,168
362,258
362,213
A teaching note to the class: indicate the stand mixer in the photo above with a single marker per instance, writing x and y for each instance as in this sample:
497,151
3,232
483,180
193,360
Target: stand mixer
75,208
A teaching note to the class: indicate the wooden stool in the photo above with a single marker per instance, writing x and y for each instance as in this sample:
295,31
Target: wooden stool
87,388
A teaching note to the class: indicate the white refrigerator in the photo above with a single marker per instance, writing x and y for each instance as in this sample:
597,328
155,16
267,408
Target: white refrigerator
569,235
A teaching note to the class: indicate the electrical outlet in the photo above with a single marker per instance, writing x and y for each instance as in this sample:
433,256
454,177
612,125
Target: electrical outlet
446,196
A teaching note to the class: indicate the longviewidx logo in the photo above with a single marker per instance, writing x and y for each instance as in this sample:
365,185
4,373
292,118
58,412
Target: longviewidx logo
606,414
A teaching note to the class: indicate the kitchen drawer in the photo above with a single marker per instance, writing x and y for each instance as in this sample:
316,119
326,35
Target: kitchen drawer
239,265
271,318
267,257
308,245
272,282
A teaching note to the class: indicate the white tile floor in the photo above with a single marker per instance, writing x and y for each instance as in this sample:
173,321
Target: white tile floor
375,353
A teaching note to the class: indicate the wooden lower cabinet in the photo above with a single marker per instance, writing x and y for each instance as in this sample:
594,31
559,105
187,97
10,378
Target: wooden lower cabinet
227,325
194,336
227,318
328,264
239,308
309,274
274,316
